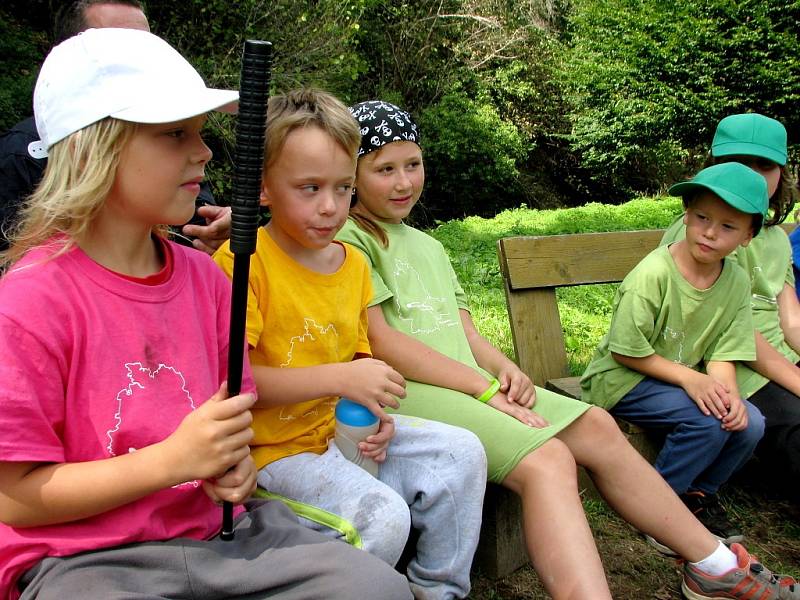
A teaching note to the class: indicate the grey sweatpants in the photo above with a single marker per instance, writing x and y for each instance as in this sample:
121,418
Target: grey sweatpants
271,556
433,478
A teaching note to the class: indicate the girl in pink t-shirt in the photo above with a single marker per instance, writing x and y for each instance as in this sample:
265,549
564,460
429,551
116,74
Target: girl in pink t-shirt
117,438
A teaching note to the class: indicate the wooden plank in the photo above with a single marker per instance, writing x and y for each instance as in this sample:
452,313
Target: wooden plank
576,259
566,386
537,333
501,547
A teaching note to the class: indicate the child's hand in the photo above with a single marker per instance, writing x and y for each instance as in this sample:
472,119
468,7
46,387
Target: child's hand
376,445
711,396
737,417
212,438
234,486
516,385
520,413
374,384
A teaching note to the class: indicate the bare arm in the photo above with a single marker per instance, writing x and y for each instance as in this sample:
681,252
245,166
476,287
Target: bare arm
710,395
209,441
789,312
367,381
775,366
418,361
513,382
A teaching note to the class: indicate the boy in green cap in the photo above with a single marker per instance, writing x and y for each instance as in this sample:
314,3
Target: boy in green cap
681,318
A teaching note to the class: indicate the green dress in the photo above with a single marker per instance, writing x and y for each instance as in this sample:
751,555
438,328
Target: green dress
419,293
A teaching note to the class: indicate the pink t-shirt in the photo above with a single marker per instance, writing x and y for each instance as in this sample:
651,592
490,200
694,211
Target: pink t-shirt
93,365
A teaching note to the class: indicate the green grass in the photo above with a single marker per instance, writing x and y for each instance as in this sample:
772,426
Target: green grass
585,310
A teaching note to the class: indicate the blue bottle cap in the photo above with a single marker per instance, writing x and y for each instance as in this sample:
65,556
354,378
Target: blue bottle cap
353,414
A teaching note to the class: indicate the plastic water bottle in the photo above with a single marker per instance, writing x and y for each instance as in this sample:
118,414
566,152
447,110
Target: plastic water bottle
355,422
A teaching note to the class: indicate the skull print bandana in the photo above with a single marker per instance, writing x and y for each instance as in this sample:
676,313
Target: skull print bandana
381,123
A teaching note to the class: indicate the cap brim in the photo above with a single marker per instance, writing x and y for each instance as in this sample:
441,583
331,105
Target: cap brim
168,110
732,198
749,149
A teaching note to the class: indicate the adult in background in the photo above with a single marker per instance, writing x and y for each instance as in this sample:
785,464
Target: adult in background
22,160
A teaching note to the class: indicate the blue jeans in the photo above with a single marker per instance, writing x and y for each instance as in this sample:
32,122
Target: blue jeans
697,453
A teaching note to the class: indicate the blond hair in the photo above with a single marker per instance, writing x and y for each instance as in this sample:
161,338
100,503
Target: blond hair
304,107
80,172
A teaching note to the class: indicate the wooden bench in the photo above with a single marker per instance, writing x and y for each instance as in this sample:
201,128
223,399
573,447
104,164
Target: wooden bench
532,269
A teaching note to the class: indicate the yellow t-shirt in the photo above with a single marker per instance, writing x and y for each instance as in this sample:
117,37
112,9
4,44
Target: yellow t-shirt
300,318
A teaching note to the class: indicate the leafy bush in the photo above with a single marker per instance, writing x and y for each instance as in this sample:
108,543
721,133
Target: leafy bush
471,158
649,80
22,50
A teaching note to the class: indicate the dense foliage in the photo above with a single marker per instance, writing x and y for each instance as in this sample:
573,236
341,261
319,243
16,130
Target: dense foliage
523,102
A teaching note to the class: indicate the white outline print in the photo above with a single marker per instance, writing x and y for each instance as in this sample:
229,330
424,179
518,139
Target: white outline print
675,336
426,306
767,299
134,383
308,335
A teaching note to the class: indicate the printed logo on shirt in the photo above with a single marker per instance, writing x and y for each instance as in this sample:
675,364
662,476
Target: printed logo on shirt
143,414
675,338
424,312
322,343
313,333
754,275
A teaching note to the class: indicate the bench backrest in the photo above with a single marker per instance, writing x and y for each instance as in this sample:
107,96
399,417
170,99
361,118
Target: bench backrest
533,267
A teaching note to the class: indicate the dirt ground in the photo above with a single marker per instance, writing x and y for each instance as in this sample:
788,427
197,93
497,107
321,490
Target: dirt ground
635,571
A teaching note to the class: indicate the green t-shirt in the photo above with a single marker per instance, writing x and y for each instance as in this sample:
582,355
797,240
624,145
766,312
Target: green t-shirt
419,294
768,262
657,311
415,274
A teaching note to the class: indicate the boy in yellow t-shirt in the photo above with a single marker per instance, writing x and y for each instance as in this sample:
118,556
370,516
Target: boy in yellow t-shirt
306,326
681,319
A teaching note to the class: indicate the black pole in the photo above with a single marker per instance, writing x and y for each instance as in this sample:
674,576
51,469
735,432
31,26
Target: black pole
248,162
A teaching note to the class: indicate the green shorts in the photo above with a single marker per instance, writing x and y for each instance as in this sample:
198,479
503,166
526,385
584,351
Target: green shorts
504,438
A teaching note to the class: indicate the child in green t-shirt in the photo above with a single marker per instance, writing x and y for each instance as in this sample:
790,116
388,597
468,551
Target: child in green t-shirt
681,319
772,381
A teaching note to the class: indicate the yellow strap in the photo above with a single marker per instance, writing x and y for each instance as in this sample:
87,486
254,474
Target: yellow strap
316,514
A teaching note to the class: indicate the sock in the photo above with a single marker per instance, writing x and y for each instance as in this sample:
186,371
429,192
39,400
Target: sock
718,562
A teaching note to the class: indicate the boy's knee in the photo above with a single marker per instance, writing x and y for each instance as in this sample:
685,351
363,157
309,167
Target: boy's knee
756,424
469,451
383,521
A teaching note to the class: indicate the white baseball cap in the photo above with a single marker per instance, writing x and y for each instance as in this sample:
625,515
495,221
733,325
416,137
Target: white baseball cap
127,74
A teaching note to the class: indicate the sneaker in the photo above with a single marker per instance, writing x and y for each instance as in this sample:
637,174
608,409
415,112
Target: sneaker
712,514
750,579
665,550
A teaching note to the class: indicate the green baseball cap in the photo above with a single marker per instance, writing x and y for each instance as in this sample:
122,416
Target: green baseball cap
750,134
740,186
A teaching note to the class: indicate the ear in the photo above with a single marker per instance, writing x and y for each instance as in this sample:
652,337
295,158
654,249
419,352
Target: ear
263,198
686,217
747,238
